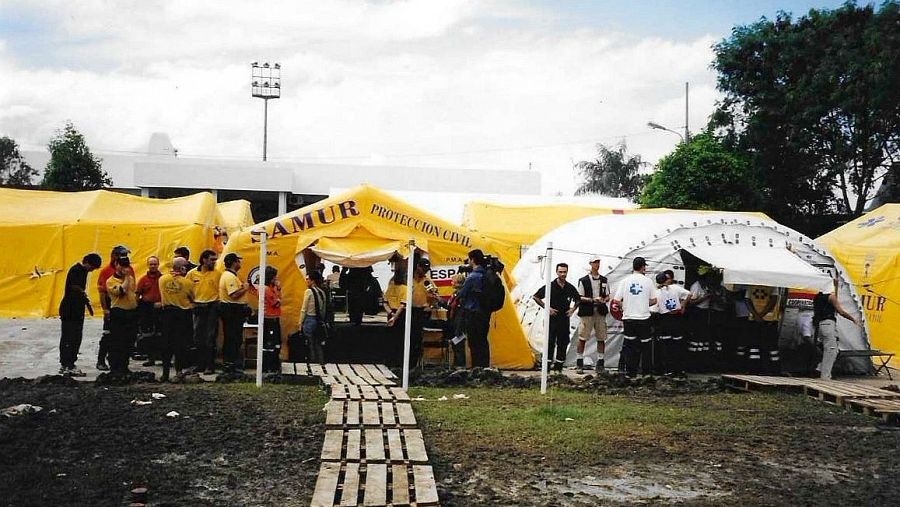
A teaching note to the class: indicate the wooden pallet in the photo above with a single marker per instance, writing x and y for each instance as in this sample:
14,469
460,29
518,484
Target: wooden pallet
763,382
356,374
838,393
368,393
375,445
354,414
886,408
374,484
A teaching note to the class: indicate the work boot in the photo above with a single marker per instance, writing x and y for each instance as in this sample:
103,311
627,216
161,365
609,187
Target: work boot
579,366
75,372
557,366
101,365
63,370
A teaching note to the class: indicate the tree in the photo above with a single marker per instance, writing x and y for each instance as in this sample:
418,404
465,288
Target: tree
815,104
702,174
72,166
613,173
14,171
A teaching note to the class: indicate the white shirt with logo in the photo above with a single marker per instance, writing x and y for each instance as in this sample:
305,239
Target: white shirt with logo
670,298
697,292
635,292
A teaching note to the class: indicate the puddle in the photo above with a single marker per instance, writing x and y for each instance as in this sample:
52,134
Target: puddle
651,484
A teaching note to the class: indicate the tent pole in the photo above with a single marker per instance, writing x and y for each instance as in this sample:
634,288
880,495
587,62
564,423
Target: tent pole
261,311
407,317
548,279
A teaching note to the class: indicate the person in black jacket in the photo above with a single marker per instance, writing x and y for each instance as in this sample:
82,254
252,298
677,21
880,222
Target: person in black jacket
356,281
71,312
563,296
593,289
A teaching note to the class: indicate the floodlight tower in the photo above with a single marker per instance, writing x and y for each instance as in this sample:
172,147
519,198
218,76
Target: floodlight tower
265,83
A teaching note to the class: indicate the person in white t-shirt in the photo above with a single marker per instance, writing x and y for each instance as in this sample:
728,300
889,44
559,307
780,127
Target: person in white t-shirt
635,294
670,302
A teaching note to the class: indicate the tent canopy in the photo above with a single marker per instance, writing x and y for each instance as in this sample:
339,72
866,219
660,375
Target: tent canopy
51,231
236,215
751,248
359,227
774,267
869,247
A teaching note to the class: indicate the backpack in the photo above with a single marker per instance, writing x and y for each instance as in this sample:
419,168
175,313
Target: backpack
493,294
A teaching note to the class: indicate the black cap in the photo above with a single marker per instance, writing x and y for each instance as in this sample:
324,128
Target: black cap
230,258
183,251
661,278
638,263
120,250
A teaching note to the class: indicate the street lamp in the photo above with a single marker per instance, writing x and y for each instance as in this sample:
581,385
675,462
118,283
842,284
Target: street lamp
657,126
265,83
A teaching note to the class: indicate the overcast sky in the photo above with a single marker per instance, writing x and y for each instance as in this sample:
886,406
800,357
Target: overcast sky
449,83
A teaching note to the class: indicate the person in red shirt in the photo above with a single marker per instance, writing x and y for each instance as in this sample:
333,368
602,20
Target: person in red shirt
108,271
149,308
272,322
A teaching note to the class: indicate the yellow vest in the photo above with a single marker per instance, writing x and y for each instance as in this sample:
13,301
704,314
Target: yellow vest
118,299
176,291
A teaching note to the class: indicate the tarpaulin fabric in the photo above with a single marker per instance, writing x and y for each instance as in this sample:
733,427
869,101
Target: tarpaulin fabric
360,249
350,222
45,233
660,238
236,215
869,247
516,227
773,266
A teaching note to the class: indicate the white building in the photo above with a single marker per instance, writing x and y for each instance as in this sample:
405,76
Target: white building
277,187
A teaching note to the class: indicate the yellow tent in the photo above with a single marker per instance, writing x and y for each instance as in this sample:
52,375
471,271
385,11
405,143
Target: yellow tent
362,226
869,249
236,215
45,233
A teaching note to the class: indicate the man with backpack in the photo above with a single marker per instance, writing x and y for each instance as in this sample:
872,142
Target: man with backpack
479,298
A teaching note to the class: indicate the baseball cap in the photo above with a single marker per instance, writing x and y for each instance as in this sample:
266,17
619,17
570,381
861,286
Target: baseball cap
232,257
594,258
182,251
120,250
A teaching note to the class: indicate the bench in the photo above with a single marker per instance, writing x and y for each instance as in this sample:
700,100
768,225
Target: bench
884,357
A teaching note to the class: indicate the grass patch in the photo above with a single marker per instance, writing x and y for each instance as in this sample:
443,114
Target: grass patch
571,421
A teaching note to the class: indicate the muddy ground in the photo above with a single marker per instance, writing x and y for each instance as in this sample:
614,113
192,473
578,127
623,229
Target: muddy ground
229,445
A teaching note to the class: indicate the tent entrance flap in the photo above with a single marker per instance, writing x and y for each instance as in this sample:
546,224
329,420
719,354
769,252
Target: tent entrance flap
774,267
358,252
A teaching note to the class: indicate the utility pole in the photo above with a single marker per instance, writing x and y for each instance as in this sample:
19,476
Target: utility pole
687,133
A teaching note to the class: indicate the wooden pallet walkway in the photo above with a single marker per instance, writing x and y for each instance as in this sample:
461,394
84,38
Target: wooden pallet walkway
372,454
856,397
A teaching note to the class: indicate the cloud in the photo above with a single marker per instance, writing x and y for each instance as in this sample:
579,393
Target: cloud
457,83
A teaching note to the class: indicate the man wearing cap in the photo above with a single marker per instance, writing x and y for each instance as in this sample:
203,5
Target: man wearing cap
234,309
205,281
593,290
122,317
176,293
635,294
102,278
71,313
185,254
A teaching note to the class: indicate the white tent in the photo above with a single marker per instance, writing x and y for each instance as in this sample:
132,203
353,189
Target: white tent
751,250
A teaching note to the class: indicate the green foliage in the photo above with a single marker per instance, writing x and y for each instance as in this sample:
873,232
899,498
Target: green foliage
815,102
14,171
613,173
72,166
702,174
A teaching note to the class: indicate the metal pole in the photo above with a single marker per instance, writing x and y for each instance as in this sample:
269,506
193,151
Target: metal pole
265,126
407,317
687,133
261,312
548,274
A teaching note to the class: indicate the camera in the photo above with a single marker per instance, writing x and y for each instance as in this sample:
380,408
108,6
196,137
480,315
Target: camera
125,262
493,263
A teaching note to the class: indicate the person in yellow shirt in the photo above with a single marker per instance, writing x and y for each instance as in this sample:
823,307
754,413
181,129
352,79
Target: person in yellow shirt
176,295
234,309
205,282
395,295
122,317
